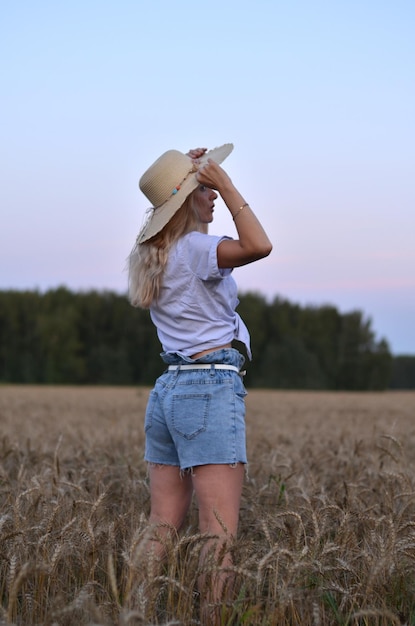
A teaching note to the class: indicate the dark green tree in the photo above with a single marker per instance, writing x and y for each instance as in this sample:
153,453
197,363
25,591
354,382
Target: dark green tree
403,372
99,338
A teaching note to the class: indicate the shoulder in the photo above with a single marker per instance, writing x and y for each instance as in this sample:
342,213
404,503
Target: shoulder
201,241
199,251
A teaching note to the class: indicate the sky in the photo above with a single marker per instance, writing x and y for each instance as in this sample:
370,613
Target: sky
318,98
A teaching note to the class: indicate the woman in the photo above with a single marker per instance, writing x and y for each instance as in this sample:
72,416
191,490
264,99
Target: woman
195,418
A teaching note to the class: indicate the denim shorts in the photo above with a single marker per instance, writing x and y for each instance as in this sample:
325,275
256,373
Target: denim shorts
197,417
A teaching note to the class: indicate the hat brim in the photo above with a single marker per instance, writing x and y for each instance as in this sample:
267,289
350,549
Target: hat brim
162,215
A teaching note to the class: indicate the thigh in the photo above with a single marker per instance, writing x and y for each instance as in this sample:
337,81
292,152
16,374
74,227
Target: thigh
171,492
218,490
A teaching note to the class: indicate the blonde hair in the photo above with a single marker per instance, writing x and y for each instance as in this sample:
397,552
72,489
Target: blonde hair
147,261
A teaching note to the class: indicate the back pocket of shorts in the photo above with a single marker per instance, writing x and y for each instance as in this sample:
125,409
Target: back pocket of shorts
190,413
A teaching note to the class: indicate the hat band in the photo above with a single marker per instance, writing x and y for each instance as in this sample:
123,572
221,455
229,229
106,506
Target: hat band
193,170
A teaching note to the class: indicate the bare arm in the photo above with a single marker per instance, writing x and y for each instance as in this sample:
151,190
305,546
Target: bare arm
252,243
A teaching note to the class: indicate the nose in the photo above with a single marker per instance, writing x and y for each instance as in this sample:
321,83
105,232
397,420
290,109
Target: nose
213,195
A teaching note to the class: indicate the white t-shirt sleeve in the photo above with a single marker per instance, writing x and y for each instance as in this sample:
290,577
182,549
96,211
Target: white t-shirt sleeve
203,258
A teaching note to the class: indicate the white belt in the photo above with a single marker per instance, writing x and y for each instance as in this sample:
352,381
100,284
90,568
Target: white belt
206,366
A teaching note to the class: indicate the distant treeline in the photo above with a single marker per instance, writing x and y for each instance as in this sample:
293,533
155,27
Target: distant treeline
65,337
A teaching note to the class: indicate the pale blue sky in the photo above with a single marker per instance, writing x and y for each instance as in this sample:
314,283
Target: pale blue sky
318,98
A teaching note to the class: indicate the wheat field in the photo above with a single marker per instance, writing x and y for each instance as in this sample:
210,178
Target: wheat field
327,525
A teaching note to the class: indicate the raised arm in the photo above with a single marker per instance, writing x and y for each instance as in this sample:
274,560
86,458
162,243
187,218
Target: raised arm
252,243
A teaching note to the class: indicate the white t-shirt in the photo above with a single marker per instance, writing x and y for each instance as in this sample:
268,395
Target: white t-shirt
196,306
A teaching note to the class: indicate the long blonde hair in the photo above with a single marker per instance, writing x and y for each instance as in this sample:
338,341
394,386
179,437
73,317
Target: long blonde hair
147,261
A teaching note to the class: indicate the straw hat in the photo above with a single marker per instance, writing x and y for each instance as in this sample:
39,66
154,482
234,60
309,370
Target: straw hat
168,182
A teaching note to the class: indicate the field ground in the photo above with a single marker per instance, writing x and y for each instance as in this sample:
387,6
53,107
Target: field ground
327,533
284,420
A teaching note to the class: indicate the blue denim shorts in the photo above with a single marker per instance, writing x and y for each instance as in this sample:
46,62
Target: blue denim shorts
197,417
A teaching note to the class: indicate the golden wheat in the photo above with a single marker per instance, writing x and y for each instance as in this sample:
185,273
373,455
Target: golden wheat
327,530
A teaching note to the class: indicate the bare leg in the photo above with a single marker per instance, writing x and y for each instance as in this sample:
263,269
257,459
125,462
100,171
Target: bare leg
171,494
218,490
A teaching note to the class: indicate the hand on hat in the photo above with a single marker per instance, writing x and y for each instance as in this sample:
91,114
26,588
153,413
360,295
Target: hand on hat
196,153
212,175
